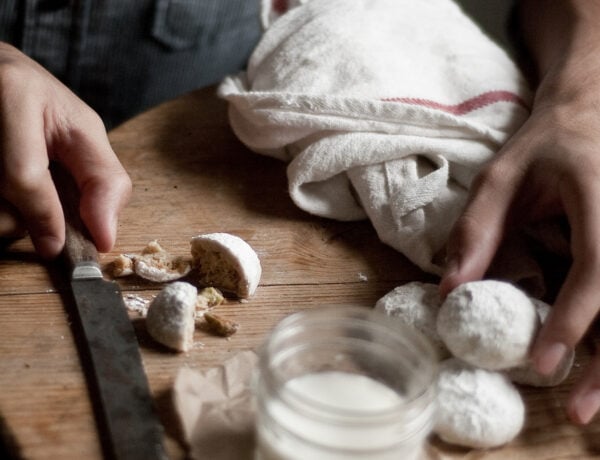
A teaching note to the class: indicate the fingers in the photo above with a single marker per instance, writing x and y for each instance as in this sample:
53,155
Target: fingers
584,401
104,185
579,299
42,214
40,121
11,225
578,302
478,232
26,181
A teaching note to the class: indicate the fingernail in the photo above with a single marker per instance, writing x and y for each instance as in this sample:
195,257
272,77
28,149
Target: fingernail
550,357
586,406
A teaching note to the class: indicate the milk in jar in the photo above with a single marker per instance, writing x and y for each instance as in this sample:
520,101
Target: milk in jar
344,383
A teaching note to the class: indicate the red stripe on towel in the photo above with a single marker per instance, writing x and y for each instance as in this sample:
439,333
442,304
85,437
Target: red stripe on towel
477,102
280,6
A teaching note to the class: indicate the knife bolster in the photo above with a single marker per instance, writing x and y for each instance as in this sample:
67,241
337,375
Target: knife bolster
86,271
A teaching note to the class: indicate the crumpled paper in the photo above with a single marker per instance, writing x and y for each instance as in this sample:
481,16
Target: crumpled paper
216,409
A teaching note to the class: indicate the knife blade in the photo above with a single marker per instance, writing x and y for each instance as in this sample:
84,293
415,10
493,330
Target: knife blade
126,417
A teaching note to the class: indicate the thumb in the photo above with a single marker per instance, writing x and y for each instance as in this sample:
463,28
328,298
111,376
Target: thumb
103,183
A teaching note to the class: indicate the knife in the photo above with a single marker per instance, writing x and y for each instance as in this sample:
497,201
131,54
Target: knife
125,414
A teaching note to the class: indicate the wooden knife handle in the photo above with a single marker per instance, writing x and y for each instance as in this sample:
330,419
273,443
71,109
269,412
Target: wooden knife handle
78,243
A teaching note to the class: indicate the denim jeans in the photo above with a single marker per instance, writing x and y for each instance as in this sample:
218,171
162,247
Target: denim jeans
123,56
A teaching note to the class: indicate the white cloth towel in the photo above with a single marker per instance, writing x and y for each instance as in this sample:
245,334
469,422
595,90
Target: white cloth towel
384,109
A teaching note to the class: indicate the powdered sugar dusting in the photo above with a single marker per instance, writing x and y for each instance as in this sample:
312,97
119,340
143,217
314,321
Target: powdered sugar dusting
136,303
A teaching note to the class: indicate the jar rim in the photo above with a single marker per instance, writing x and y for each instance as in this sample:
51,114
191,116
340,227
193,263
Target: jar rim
377,322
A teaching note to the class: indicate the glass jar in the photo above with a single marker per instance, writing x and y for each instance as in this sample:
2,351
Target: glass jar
344,383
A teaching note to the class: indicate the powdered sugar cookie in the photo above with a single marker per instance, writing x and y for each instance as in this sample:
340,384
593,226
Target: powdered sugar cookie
477,408
226,261
489,324
171,316
416,304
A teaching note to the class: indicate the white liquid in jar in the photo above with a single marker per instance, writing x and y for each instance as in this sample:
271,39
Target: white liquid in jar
345,391
347,431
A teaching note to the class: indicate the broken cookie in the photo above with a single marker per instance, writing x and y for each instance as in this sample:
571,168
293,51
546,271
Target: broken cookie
153,264
227,262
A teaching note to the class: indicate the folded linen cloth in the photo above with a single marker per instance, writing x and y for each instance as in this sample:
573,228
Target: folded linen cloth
384,109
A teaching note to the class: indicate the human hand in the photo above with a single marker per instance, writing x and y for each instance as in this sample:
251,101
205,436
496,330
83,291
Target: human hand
41,121
551,166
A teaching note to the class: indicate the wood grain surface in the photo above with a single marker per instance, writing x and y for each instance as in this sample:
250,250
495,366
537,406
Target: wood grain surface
192,176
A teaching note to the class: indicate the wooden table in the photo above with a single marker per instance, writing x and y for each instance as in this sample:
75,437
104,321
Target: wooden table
192,176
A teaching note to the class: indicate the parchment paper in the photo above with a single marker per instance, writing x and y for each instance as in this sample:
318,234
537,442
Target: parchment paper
216,409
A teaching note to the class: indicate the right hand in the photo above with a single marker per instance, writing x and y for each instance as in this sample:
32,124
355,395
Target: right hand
41,120
550,167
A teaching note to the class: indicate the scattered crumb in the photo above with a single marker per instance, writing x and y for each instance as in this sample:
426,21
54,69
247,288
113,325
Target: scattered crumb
156,264
362,277
209,297
219,325
153,264
121,266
